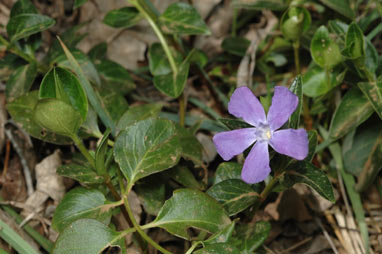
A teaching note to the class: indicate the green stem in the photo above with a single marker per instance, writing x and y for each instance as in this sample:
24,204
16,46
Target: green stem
13,49
159,34
296,48
78,142
268,189
182,109
192,248
139,230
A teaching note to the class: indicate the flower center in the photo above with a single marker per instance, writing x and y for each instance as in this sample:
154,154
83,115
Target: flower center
263,132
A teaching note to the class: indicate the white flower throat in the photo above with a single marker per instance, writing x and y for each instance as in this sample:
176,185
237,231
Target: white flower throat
263,132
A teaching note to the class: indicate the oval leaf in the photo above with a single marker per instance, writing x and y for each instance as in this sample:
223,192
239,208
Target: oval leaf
122,18
61,84
296,88
20,81
191,208
81,173
373,92
228,170
234,195
80,203
148,147
85,236
182,18
252,237
57,116
26,24
218,248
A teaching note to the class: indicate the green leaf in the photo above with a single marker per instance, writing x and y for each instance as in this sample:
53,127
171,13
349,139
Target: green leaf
236,45
341,6
364,157
173,85
98,52
79,3
354,42
90,125
100,155
218,248
85,236
158,64
24,25
22,110
312,137
57,116
20,81
184,176
221,236
152,194
190,208
353,110
315,82
114,102
122,18
81,203
306,173
137,113
251,237
274,5
115,75
295,22
233,124
81,173
373,92
148,147
190,145
23,7
325,52
182,18
63,85
87,66
228,170
296,88
234,195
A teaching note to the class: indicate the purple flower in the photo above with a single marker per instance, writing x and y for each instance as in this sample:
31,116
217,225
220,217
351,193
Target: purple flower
244,104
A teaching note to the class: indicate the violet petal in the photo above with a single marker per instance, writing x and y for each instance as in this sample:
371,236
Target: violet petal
244,104
284,103
256,166
231,143
293,143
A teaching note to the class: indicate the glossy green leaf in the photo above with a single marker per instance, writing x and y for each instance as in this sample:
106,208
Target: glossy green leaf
24,25
354,42
325,52
190,208
306,173
113,102
294,22
79,3
100,155
57,116
312,137
353,110
152,194
81,173
341,6
233,124
218,248
154,149
228,170
22,110
137,113
373,92
191,147
63,85
221,236
364,157
184,176
182,18
115,75
20,81
85,236
158,64
122,18
81,203
98,52
274,5
236,45
90,125
199,58
234,195
23,7
173,85
296,88
315,82
251,237
87,66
